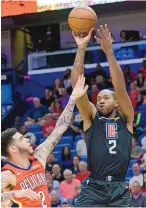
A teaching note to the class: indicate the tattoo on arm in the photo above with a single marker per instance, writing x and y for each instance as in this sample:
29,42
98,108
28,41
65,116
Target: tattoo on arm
4,184
7,195
79,60
78,66
62,124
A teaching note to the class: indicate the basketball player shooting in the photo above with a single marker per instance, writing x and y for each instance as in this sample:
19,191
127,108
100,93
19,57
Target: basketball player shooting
23,177
108,131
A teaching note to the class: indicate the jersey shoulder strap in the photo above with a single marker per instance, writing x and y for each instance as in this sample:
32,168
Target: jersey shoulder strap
7,166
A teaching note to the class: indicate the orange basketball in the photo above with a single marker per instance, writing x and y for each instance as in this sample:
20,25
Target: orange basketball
82,19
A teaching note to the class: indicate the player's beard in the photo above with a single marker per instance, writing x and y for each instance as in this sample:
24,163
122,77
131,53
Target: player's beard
25,151
106,115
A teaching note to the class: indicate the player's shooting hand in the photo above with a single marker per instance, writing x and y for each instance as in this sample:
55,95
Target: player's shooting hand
27,193
82,39
80,88
104,39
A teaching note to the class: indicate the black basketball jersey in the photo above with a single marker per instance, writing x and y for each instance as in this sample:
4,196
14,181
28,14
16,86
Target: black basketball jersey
108,146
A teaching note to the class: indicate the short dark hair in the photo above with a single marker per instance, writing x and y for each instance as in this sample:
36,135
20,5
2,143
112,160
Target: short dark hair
49,88
6,139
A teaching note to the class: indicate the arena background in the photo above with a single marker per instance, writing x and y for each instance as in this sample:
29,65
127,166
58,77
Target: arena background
37,47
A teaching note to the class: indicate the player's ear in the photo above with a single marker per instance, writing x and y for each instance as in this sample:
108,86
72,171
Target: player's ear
12,148
116,104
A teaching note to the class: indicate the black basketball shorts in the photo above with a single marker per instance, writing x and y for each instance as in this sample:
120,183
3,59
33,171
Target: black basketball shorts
97,193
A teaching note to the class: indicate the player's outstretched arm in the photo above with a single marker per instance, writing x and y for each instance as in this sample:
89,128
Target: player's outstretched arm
116,74
62,124
85,107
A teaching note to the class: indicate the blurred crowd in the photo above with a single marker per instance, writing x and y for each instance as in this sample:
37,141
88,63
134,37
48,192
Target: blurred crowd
64,177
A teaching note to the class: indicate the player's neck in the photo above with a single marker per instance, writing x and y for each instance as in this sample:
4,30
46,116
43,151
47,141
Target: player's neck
21,161
112,115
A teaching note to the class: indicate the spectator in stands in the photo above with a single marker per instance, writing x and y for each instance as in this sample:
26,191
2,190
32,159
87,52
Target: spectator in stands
109,82
76,161
136,150
17,123
123,36
65,203
134,95
99,76
37,114
77,189
56,108
66,158
24,131
53,185
81,147
49,126
144,168
137,198
74,130
143,143
144,102
57,88
64,97
142,159
137,175
67,186
143,68
99,71
141,116
55,201
143,189
83,172
57,175
94,94
67,80
48,98
50,162
128,75
141,82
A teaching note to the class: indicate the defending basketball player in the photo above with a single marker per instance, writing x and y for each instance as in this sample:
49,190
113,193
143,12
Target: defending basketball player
23,177
108,131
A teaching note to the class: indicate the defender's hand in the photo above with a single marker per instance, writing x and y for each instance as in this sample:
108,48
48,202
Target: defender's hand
80,88
105,39
82,39
27,193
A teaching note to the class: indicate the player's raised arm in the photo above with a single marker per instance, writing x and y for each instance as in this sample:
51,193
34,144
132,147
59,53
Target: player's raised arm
62,124
116,75
87,110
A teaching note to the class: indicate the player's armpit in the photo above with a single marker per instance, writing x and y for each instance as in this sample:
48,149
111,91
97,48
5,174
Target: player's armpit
87,111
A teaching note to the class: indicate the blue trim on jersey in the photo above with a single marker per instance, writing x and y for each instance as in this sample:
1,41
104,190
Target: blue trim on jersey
15,166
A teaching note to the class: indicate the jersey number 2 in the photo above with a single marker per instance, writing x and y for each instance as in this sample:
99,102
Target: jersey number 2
42,195
113,145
